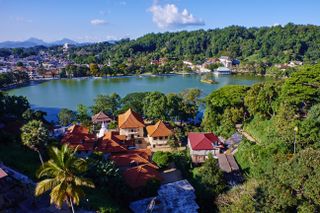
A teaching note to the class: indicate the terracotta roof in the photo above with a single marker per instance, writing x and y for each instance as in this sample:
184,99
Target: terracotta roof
111,143
160,129
138,176
124,160
130,119
77,135
3,173
204,141
100,117
145,153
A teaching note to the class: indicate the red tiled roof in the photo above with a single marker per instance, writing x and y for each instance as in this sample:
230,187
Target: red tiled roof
77,135
125,159
160,129
110,143
138,176
130,119
203,141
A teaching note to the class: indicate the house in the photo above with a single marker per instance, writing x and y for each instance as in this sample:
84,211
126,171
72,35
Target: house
131,125
138,176
226,61
177,196
79,136
136,167
158,134
201,144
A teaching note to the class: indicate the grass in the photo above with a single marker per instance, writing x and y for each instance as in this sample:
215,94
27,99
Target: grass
20,158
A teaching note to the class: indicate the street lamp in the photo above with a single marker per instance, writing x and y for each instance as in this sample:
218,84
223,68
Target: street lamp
295,138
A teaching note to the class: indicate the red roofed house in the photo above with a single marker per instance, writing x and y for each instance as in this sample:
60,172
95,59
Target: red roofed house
136,167
201,144
131,125
112,143
138,176
79,136
158,134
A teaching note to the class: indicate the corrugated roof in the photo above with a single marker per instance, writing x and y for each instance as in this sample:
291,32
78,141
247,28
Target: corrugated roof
227,163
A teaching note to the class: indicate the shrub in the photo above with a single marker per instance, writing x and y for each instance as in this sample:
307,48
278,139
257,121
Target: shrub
162,159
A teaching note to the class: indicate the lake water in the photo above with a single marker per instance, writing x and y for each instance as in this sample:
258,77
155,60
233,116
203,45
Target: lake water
53,95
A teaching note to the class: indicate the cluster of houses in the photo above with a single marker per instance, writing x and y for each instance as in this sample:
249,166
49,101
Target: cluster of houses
50,65
226,64
129,148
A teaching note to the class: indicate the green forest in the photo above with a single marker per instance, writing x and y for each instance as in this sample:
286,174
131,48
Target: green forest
277,44
282,166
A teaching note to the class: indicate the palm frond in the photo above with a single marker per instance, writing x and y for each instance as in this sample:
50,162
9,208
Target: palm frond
45,185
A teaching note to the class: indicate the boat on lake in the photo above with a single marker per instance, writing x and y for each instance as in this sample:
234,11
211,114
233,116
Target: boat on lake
222,71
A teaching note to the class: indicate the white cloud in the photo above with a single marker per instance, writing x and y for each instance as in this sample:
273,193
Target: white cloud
98,22
169,16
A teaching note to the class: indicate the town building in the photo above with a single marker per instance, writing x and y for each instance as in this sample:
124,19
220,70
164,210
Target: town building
202,144
158,134
131,125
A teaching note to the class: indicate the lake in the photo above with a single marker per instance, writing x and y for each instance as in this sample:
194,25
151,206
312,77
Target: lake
53,95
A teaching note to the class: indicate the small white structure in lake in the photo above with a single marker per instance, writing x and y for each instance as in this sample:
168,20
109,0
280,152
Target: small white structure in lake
222,71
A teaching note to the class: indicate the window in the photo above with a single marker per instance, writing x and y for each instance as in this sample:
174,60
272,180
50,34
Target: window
160,138
155,138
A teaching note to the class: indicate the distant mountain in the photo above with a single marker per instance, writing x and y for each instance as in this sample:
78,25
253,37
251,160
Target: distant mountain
31,42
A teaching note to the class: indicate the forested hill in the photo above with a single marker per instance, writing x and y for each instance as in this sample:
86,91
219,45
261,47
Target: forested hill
277,44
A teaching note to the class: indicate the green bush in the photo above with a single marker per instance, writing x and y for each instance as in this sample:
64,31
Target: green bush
162,159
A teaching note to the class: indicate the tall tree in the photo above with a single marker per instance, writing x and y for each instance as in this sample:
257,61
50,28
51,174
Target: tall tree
35,135
155,106
66,116
109,104
62,175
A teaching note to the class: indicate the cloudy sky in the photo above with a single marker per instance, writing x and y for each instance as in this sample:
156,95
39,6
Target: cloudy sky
100,20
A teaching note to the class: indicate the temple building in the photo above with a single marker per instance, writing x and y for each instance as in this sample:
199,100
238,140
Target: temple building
158,134
103,119
131,125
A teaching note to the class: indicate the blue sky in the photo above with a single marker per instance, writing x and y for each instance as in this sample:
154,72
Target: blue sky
99,20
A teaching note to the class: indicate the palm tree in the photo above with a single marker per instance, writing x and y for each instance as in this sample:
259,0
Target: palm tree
34,135
62,173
